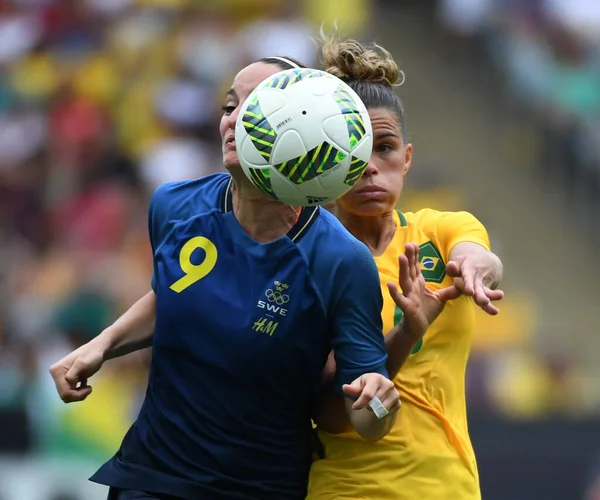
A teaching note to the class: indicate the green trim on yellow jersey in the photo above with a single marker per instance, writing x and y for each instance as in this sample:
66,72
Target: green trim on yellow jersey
403,222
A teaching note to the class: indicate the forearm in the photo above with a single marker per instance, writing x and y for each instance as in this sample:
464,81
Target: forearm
133,331
399,343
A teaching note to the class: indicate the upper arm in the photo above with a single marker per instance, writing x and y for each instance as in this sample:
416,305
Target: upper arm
155,227
357,337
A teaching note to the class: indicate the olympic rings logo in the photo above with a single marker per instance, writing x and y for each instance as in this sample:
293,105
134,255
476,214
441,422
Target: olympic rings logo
277,297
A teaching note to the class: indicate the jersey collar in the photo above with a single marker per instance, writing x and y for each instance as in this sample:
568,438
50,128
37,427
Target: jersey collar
402,218
306,219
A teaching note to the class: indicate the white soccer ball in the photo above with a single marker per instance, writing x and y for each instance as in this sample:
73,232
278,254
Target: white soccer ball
303,137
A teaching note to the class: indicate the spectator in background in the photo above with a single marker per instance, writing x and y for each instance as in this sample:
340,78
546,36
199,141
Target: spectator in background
285,30
547,52
181,154
207,46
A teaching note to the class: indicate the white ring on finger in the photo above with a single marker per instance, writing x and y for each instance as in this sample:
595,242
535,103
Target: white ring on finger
378,408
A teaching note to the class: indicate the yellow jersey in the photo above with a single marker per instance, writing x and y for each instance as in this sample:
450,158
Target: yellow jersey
428,454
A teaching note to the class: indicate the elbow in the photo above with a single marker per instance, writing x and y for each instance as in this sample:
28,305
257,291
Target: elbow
373,438
374,429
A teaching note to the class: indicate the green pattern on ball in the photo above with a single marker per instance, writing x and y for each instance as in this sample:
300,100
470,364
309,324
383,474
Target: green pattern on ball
261,177
292,76
308,166
354,120
258,128
357,168
318,160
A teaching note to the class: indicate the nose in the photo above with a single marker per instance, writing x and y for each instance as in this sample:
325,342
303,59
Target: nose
234,116
371,168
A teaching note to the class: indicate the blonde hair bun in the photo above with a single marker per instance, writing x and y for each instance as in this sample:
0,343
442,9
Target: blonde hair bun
351,60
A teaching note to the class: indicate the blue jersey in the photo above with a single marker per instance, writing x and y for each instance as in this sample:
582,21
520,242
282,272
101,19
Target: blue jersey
243,330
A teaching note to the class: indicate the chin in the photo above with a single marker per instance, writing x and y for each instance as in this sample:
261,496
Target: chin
372,208
231,161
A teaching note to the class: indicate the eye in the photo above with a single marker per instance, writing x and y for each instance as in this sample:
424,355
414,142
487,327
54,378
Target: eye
384,148
227,110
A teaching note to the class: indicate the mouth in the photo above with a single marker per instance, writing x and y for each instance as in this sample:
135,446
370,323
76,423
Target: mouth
371,189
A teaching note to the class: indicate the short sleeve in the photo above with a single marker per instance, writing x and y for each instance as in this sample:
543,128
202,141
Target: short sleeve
459,227
356,304
155,228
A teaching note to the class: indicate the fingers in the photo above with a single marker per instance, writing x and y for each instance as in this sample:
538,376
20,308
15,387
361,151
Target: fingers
398,297
76,374
491,309
464,275
67,392
405,279
479,295
71,385
75,395
469,277
383,408
354,389
410,269
492,295
392,402
449,293
483,297
58,375
376,385
453,269
378,408
411,250
368,391
417,263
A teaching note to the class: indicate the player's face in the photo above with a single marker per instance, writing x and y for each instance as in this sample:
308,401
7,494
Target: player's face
378,190
243,84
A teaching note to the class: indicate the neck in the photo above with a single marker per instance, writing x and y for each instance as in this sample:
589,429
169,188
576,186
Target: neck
262,218
374,231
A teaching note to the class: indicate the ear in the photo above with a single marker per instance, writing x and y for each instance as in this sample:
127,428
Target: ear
408,151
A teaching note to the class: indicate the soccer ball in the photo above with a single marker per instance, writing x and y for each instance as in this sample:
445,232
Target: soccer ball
303,137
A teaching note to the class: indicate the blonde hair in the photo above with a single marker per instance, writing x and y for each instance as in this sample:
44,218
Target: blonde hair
369,70
352,60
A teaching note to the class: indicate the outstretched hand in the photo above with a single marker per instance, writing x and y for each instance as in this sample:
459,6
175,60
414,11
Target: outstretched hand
472,274
420,305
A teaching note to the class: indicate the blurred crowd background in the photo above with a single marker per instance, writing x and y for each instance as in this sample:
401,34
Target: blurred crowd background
103,100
